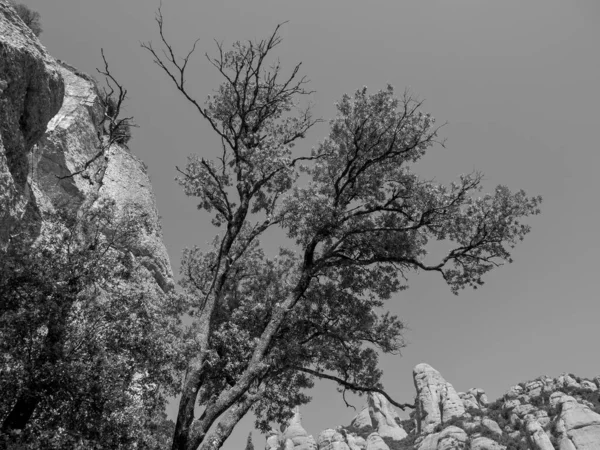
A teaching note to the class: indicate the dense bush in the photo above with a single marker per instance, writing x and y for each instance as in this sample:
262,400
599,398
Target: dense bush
513,443
28,16
86,342
584,394
363,432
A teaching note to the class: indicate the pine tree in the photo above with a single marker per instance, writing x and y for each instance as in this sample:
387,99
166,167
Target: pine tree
249,444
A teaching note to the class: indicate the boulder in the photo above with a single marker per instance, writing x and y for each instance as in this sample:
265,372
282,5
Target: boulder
452,438
429,442
272,440
577,423
331,439
384,417
566,380
534,388
485,443
538,437
356,442
363,419
437,401
514,391
491,425
375,442
588,386
474,398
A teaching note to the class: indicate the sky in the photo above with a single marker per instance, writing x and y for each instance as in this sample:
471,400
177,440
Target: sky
517,84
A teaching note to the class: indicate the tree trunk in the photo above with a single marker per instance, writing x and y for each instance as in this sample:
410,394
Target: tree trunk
51,353
216,439
21,412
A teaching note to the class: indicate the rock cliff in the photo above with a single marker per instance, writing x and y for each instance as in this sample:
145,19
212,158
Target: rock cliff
561,413
50,127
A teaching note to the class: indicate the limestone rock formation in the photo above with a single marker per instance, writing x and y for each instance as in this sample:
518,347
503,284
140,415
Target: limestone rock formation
331,439
452,438
484,443
272,440
578,424
363,419
474,398
437,401
538,436
355,442
297,435
31,93
561,413
50,129
375,442
384,418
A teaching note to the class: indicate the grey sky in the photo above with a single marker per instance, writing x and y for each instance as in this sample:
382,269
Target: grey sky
517,83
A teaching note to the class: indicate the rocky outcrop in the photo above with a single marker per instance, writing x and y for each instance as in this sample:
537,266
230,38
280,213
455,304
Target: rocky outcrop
450,438
297,435
538,437
331,439
363,419
272,440
561,413
375,442
31,93
577,426
50,130
474,398
484,443
437,401
384,418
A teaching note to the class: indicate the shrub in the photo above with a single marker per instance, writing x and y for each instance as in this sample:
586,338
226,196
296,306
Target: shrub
361,432
475,412
30,17
513,443
583,394
405,444
117,128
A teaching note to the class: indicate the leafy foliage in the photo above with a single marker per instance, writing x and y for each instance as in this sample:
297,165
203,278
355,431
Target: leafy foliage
265,327
363,432
29,17
88,344
408,443
582,394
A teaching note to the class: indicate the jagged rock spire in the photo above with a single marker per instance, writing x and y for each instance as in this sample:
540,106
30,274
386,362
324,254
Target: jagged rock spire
561,413
437,401
297,435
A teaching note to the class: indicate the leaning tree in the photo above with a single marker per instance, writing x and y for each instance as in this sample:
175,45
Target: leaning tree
265,327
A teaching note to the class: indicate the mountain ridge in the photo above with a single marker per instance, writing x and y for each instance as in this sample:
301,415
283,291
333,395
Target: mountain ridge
545,413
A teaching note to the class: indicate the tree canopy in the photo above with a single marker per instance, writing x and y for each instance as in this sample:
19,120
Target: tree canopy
88,344
358,220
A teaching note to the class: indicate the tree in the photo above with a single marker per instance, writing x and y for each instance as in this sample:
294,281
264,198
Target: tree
28,16
113,96
87,342
265,327
249,444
